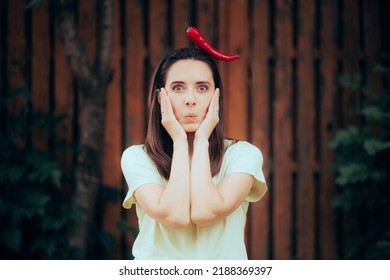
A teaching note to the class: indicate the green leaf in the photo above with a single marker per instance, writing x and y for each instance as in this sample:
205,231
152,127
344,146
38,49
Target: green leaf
43,169
32,203
108,193
125,228
351,81
61,218
351,173
107,240
345,137
15,93
373,146
11,238
33,3
375,113
11,173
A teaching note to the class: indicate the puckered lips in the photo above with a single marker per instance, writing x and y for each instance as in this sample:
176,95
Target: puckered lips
190,116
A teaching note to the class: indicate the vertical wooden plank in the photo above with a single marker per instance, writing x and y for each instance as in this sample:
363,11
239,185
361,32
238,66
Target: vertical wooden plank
350,98
3,50
205,20
372,46
87,31
372,50
2,115
283,165
328,113
135,93
40,70
64,106
371,18
260,125
158,31
16,64
1,33
3,24
351,54
305,133
112,175
87,26
223,35
236,93
180,17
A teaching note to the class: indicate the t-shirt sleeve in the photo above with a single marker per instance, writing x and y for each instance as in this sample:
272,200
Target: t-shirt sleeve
138,170
247,158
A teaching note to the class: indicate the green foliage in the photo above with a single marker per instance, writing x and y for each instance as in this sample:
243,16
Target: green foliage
361,166
34,217
32,3
106,243
34,212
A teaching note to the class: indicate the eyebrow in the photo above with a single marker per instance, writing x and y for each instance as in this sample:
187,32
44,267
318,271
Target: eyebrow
199,82
203,82
177,82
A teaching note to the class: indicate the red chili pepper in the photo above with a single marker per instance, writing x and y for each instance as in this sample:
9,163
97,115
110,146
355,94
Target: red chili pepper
198,39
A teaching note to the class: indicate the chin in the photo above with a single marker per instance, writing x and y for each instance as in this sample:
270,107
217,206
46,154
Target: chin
191,128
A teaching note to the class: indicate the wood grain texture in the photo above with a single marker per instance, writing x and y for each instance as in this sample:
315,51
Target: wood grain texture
305,132
281,95
260,125
40,72
282,134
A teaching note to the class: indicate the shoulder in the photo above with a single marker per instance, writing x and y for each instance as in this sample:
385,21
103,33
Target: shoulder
134,152
243,148
241,154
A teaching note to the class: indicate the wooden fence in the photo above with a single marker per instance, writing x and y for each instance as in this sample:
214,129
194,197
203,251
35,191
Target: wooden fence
282,95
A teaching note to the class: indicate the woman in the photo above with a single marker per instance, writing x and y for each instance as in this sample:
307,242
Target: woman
191,186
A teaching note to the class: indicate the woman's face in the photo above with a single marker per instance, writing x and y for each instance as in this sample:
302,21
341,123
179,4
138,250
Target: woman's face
190,87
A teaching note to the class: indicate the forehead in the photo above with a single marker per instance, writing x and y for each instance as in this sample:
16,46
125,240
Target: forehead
189,70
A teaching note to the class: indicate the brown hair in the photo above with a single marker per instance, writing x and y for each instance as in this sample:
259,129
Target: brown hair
158,143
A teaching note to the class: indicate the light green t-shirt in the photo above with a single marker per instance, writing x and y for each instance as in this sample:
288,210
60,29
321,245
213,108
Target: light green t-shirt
223,240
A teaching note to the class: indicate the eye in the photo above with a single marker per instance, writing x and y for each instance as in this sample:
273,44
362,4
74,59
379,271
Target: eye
203,88
177,87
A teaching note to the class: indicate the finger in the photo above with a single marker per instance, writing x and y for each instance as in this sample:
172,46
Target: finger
167,104
214,104
161,97
216,100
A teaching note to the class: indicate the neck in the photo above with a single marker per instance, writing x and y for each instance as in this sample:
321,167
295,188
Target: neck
190,139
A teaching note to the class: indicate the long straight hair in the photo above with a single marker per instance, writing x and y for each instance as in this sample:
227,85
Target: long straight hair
158,143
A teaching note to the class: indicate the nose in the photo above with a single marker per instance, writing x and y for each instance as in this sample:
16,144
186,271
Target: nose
190,99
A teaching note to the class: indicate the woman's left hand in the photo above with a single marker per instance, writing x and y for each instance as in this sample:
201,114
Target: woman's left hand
211,120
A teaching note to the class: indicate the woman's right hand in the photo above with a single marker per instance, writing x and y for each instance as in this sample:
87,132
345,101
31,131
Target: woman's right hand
168,119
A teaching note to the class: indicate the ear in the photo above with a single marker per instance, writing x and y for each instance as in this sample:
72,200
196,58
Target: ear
158,96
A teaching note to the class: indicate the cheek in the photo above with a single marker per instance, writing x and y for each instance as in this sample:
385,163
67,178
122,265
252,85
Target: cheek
175,105
205,103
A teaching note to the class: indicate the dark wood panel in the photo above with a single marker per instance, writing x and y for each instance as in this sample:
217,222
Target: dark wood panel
180,17
135,92
40,71
113,136
282,97
64,100
260,125
328,122
305,145
282,137
236,94
158,32
17,67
